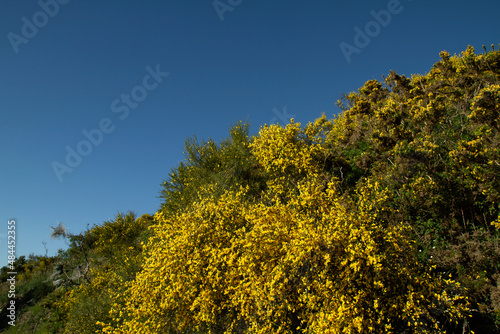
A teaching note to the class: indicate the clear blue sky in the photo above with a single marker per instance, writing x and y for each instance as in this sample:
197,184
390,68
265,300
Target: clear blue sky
85,65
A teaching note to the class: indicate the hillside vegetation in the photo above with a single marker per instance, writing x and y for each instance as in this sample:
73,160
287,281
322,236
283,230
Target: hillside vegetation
383,219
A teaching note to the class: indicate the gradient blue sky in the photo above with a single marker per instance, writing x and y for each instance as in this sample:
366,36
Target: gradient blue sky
261,57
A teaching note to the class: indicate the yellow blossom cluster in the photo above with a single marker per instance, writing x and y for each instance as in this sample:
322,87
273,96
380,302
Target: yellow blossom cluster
305,260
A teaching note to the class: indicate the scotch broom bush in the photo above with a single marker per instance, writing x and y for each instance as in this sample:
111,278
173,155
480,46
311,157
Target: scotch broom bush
304,259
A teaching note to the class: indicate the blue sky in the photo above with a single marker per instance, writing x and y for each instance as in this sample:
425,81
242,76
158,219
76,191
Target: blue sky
71,66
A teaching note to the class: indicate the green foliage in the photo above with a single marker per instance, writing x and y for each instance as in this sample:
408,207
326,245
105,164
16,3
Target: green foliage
112,238
18,267
30,292
115,255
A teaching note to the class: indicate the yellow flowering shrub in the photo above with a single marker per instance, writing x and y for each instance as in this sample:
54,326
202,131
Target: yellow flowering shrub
181,287
115,258
433,142
305,259
86,305
320,264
